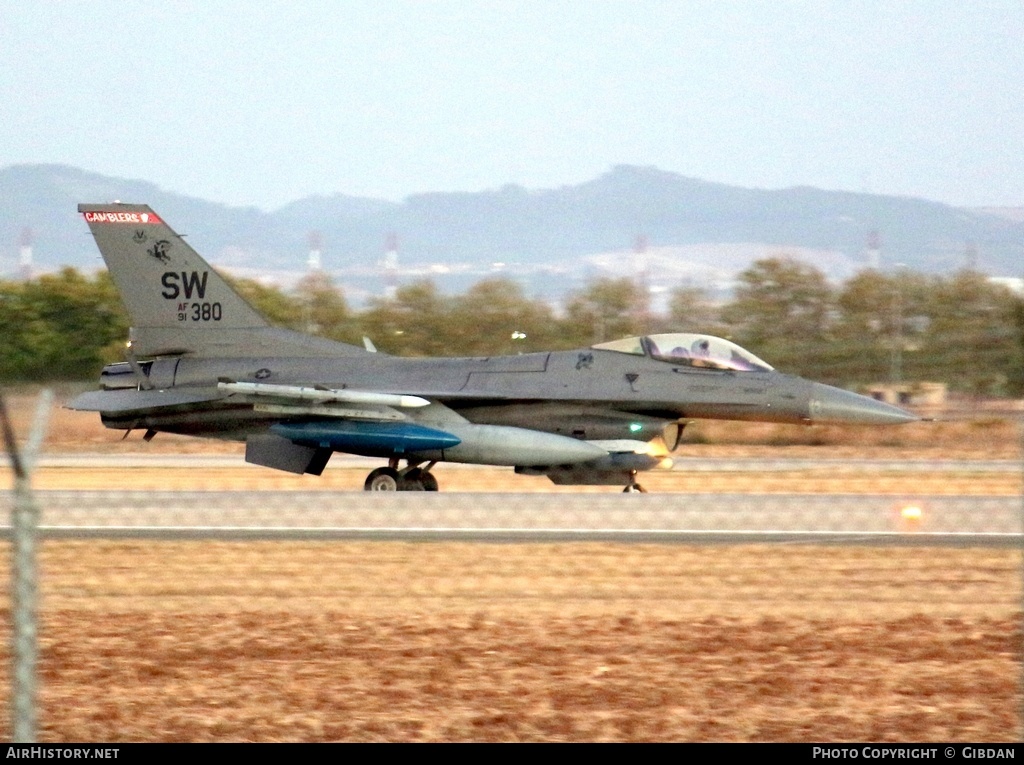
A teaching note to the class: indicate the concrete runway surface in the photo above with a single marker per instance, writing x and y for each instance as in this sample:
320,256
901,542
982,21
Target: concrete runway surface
686,518
682,463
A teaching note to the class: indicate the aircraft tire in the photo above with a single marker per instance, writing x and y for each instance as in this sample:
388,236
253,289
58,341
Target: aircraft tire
410,479
382,479
417,479
429,482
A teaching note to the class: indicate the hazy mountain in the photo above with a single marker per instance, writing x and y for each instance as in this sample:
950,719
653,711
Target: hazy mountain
575,231
44,198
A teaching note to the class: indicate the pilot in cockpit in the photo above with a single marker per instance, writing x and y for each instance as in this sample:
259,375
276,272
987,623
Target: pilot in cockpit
700,353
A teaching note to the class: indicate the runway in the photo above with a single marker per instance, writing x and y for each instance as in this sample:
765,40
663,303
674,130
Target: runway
682,463
862,519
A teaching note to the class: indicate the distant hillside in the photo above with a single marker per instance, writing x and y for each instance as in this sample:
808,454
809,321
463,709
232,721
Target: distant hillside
576,231
45,199
1015,214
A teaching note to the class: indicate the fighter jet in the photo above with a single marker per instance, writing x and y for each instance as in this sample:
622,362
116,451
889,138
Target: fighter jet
203,362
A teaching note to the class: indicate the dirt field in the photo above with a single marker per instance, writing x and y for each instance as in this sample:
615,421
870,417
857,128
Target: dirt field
387,641
579,642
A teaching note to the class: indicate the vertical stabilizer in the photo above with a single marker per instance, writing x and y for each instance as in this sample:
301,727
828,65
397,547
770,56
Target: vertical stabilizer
176,301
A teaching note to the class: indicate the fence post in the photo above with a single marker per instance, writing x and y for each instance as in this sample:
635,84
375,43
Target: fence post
24,581
1020,625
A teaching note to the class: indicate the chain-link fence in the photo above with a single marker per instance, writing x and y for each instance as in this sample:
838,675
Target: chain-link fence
196,598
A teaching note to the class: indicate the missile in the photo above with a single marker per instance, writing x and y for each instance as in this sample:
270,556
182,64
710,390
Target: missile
322,395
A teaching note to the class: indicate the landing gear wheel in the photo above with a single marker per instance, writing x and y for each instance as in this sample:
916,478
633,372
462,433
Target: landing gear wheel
382,479
417,479
411,479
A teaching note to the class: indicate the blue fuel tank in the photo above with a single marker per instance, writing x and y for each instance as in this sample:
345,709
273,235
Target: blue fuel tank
356,437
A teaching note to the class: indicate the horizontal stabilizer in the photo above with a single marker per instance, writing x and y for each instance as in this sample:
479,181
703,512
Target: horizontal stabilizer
139,400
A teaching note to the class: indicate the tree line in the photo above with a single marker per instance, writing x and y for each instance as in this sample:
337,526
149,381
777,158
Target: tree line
960,329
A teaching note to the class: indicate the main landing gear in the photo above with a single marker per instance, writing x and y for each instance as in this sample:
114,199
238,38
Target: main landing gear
412,478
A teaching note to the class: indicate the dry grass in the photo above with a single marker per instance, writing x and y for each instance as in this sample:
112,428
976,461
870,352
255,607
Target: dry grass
240,676
981,437
581,642
373,578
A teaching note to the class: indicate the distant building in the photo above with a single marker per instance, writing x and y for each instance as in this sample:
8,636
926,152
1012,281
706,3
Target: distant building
926,398
25,254
1013,283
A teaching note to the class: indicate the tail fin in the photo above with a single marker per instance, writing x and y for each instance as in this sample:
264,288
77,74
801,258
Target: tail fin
176,302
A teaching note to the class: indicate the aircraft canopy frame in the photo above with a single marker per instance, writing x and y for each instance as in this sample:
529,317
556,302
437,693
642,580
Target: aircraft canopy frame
689,349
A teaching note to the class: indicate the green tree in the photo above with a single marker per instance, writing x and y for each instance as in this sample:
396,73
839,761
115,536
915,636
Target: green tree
413,323
691,309
61,326
495,317
606,309
323,308
22,331
970,339
782,310
1015,362
279,308
880,325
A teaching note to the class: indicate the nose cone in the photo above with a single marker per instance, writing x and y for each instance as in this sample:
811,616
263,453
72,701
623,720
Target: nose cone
830,404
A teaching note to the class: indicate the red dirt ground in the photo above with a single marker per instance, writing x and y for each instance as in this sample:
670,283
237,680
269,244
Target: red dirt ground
280,641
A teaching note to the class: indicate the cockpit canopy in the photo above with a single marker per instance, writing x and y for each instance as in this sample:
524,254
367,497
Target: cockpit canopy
687,349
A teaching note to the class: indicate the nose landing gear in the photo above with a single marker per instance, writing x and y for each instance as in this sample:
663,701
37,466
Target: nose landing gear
633,487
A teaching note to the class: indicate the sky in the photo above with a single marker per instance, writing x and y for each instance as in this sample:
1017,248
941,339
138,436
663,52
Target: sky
263,103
